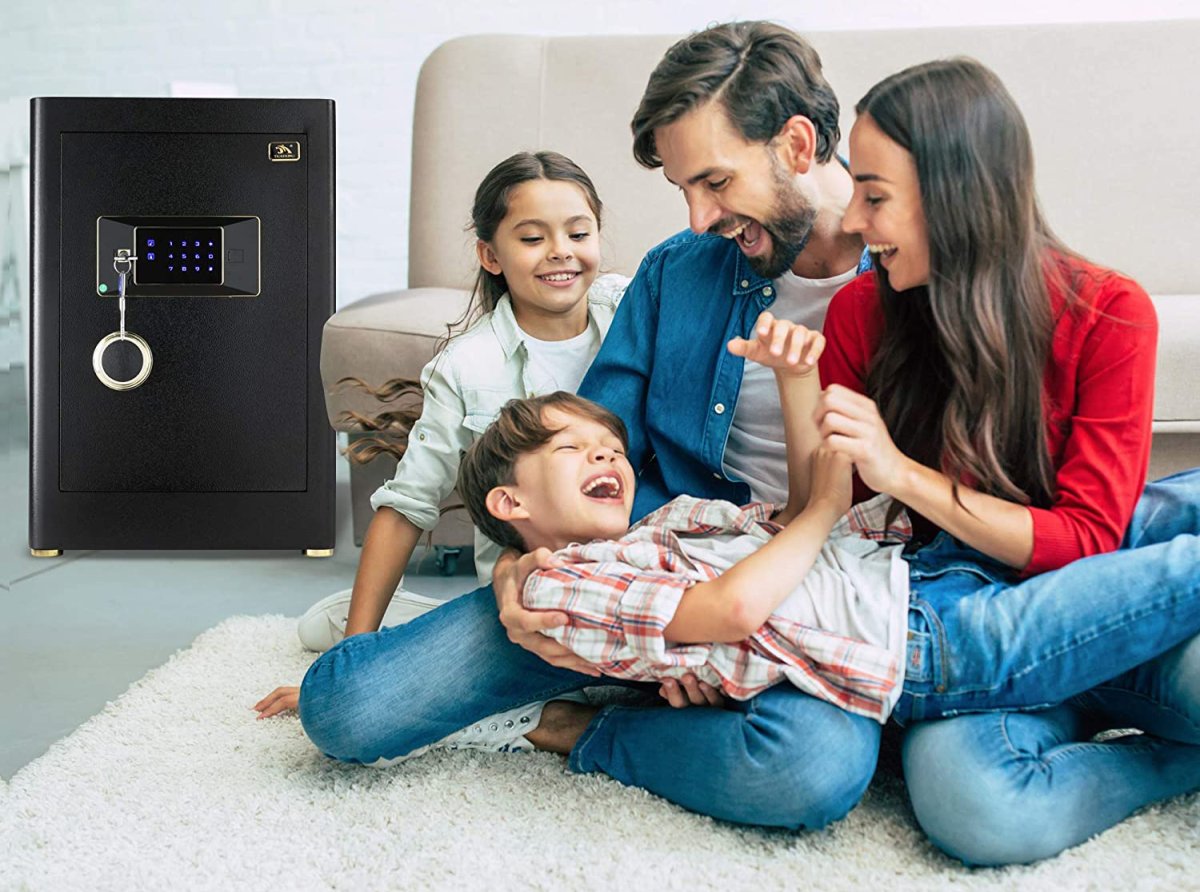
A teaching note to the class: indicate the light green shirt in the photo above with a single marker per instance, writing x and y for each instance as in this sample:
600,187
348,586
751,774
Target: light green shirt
464,388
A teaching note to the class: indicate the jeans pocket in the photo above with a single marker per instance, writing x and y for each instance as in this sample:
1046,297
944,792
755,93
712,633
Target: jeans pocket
923,668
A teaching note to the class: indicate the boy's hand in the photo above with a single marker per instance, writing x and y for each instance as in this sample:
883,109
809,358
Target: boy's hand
832,480
279,700
790,349
525,627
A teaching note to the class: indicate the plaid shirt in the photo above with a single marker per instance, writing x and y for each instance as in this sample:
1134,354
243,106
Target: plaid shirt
620,595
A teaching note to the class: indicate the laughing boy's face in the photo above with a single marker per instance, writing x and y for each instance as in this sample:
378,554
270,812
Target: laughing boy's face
577,487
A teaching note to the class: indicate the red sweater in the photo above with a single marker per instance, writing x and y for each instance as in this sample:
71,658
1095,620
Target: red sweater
1099,389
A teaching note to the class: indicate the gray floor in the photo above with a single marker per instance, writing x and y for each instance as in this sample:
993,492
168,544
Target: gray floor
79,629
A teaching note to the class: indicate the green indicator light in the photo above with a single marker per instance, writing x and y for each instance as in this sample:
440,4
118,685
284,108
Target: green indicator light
103,288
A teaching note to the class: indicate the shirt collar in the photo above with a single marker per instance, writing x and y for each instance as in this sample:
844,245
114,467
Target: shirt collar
508,333
504,325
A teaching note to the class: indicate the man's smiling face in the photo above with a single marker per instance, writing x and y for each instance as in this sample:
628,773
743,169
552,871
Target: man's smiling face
736,188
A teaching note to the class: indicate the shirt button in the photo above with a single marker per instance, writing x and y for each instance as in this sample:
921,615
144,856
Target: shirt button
719,408
420,436
768,291
745,283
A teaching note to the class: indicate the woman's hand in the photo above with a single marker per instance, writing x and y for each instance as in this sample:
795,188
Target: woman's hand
279,700
850,424
790,349
525,627
688,691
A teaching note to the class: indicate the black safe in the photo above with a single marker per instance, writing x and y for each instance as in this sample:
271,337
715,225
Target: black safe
195,417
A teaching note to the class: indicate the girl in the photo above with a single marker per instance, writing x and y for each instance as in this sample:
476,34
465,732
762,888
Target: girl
542,315
1001,387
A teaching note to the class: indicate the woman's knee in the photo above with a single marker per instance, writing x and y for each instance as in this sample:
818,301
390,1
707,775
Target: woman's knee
978,799
1167,508
1176,685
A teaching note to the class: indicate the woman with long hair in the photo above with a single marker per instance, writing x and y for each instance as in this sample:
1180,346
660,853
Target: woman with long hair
1001,388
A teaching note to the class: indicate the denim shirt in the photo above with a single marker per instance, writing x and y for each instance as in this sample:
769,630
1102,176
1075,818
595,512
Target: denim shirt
665,370
464,388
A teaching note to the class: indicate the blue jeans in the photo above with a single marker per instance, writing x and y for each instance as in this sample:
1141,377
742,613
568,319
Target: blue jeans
782,759
1015,787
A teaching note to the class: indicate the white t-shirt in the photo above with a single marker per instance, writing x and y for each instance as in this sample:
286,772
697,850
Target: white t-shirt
856,588
755,451
561,365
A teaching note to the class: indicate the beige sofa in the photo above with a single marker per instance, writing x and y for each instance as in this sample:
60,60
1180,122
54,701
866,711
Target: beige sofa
1109,107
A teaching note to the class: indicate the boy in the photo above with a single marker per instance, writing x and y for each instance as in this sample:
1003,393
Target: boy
743,598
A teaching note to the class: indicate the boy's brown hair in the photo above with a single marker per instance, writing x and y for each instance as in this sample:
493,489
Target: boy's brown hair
518,430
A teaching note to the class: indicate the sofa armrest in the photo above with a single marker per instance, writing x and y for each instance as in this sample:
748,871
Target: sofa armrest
1176,396
384,336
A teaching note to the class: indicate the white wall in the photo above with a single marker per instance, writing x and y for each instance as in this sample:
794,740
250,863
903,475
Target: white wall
366,55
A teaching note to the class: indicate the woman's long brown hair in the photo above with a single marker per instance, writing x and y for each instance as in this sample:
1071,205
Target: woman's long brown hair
958,374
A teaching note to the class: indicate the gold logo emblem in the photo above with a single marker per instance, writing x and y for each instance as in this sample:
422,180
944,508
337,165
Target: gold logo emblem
283,151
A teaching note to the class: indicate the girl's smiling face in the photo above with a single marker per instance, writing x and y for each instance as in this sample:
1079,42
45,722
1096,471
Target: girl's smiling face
548,249
886,208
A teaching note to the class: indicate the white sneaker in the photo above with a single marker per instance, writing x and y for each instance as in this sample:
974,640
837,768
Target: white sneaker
324,624
503,732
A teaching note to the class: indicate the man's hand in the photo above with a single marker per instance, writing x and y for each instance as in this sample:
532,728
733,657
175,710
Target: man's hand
790,349
525,627
279,700
687,691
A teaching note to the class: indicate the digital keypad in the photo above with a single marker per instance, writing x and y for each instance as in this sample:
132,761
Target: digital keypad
169,255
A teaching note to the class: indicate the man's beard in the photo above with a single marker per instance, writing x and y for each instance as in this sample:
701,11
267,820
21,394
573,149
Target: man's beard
790,226
789,231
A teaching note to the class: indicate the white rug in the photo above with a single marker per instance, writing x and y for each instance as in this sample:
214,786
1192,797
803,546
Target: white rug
176,786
